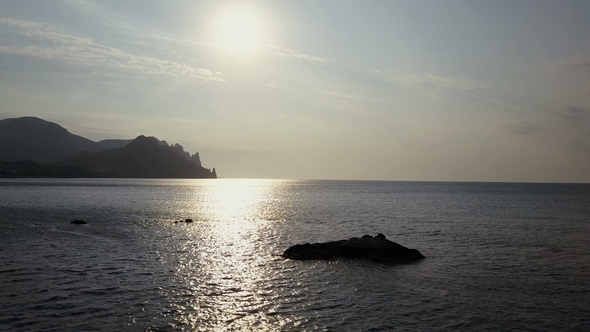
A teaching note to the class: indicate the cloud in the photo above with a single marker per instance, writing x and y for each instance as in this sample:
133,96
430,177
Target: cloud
70,48
568,119
584,66
576,116
573,75
170,39
21,24
428,80
84,5
576,65
278,86
340,95
575,125
141,42
346,102
524,128
566,128
288,53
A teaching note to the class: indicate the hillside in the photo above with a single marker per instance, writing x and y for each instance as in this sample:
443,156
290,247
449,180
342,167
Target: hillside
30,169
144,157
32,147
30,138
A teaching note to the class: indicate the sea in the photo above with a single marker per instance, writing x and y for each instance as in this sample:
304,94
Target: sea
499,256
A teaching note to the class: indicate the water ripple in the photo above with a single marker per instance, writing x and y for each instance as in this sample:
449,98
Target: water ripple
489,248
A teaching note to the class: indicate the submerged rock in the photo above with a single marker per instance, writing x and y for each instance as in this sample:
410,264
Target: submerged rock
376,249
79,222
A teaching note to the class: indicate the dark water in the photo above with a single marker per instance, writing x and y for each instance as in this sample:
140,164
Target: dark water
500,257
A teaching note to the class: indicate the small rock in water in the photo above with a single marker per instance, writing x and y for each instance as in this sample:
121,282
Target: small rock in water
376,249
79,222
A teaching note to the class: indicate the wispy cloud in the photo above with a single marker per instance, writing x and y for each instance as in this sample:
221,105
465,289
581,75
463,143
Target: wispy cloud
580,65
171,39
573,73
577,64
288,53
21,24
576,116
584,66
346,102
340,95
68,47
278,86
84,5
566,128
141,42
428,80
572,124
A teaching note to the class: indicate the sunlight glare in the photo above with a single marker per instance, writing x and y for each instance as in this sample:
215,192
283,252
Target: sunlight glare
239,30
224,262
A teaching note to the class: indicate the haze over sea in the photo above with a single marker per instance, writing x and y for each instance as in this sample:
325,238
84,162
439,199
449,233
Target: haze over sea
500,256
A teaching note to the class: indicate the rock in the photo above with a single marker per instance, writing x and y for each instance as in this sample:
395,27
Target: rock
376,249
79,222
188,220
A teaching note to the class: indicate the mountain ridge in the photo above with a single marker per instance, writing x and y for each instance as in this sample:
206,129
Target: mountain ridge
51,150
31,138
144,157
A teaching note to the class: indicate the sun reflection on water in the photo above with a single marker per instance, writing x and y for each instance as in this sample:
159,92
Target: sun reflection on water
226,257
238,199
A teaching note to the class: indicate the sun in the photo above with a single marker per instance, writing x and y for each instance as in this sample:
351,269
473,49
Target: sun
239,30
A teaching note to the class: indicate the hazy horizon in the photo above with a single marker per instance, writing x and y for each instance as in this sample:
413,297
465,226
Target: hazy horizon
406,91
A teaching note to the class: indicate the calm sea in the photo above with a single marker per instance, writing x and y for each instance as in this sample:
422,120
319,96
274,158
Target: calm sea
500,257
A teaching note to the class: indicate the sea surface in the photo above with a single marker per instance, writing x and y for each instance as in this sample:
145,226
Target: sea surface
500,256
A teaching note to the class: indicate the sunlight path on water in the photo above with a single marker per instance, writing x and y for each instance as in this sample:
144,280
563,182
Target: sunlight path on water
224,263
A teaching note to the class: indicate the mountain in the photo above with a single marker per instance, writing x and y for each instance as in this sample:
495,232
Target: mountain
144,157
30,138
108,144
51,151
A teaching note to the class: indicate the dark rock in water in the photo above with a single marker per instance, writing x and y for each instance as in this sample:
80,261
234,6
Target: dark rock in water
188,220
78,222
376,249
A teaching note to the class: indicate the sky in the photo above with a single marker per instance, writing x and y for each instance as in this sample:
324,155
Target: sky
308,89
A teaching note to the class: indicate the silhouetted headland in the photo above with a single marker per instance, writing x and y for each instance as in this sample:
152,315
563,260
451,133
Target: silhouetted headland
142,158
32,147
